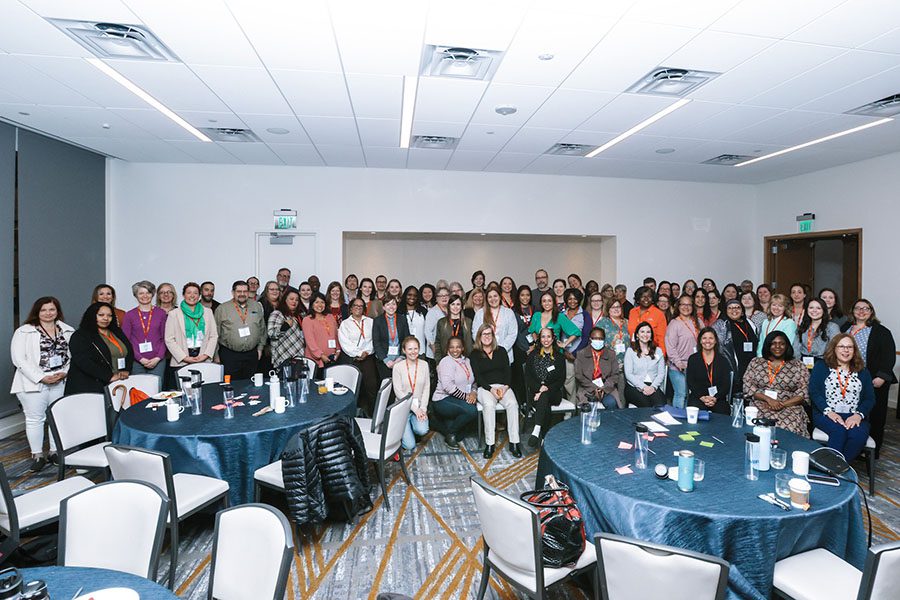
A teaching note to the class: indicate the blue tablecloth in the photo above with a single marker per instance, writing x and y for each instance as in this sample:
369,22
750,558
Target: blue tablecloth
722,516
63,582
230,449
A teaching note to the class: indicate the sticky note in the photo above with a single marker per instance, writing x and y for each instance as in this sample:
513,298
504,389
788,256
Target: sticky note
686,438
692,432
707,444
625,446
218,407
626,470
254,397
661,435
647,437
254,402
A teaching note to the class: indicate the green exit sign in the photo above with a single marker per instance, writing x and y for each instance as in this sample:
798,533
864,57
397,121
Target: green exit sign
286,222
806,226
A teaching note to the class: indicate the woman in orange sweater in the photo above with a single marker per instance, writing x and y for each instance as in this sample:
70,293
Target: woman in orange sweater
320,332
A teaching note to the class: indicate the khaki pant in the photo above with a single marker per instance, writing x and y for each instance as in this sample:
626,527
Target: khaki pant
488,403
569,385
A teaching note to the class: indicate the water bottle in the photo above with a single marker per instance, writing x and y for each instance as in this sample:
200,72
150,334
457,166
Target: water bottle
228,392
751,457
685,470
196,398
640,446
274,388
595,416
737,411
304,391
762,429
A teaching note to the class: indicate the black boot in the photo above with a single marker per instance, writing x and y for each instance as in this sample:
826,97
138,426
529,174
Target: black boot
451,441
516,450
488,451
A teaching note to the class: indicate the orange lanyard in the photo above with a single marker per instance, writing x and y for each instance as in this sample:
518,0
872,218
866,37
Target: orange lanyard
769,327
325,325
772,375
843,384
362,329
145,328
454,328
242,315
527,311
797,316
809,338
506,303
689,325
415,377
855,330
596,356
619,335
462,365
709,368
496,319
741,329
392,326
597,320
112,340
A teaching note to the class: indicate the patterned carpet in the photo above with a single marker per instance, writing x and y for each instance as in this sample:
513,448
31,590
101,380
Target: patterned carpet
428,545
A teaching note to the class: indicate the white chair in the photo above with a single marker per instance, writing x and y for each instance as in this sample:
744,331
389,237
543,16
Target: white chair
869,454
820,575
629,568
373,425
348,376
187,493
251,554
210,372
116,525
383,445
79,426
311,366
512,544
120,391
32,510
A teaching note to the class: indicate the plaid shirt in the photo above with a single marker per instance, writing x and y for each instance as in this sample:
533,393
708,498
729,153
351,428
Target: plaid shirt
286,344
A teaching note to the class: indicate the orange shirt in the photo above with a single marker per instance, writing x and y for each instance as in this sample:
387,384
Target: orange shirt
657,321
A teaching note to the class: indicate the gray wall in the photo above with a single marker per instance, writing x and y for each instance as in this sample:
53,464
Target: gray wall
7,216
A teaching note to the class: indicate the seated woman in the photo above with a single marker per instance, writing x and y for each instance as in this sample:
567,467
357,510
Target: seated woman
454,397
842,396
388,330
598,373
645,369
320,333
355,334
100,352
708,375
778,385
455,324
145,326
191,332
814,333
545,373
285,329
777,320
411,377
494,378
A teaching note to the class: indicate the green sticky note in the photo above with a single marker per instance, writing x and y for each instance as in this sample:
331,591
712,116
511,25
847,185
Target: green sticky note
693,433
707,444
686,438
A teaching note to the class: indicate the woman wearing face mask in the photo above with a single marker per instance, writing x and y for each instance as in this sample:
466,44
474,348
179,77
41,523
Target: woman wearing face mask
455,324
145,326
814,333
740,346
455,397
777,320
681,343
644,369
778,385
101,354
388,331
708,375
545,372
598,373
191,333
411,377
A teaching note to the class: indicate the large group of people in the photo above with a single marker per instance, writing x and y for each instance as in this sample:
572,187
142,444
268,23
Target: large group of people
799,359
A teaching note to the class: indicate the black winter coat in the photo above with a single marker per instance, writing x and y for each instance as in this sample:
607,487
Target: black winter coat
91,367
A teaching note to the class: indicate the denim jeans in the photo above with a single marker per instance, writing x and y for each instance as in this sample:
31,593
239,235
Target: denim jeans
413,427
679,385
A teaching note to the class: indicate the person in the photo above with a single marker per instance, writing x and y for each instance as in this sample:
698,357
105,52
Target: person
814,333
283,277
366,292
740,346
746,285
664,304
591,288
455,324
608,293
711,310
242,332
752,310
474,303
559,292
414,313
708,375
564,331
842,396
478,280
456,287
505,324
833,305
314,284
320,333
411,377
664,289
166,298
798,302
253,284
700,301
207,295
876,344
579,318
708,285
598,373
645,312
100,352
40,354
355,334
271,297
681,343
621,293
778,385
507,292
306,297
395,289
689,287
595,311
764,295
493,377
351,287
615,326
777,321
380,288
649,282
426,293
107,293
285,329
541,285
435,314
545,374
337,306
191,333
730,292
455,396
645,369
388,331
523,310
145,327
676,290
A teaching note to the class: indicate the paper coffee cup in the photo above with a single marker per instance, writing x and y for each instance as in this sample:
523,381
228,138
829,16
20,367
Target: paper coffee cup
799,492
693,413
750,413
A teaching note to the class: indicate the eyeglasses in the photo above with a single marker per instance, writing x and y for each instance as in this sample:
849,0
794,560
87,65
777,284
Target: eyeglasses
487,334
864,309
844,347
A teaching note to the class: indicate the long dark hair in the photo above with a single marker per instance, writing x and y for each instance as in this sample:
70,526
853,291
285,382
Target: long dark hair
89,318
555,311
636,344
283,307
99,287
836,312
806,322
707,310
517,302
34,315
715,336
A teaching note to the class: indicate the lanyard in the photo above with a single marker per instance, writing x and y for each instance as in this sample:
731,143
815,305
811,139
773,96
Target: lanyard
325,325
619,335
772,375
242,315
54,341
741,329
843,384
506,303
527,311
415,377
462,365
112,340
809,339
597,320
596,356
362,329
145,328
691,326
455,326
392,327
709,368
855,330
769,326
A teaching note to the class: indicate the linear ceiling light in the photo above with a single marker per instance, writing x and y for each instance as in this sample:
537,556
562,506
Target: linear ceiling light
410,85
134,89
818,141
669,109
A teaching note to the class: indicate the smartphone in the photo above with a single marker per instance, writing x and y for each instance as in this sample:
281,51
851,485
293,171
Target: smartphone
823,479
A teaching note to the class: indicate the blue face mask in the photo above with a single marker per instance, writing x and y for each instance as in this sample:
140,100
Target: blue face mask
597,344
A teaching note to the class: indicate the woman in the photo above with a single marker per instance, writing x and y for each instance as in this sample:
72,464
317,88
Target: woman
644,311
355,334
580,319
507,292
285,329
503,320
145,327
664,288
559,291
876,344
411,377
814,333
493,377
595,312
477,280
730,292
320,333
665,305
608,292
336,304
106,293
270,298
522,307
523,310
598,373
689,287
708,375
833,306
739,347
455,324
474,303
40,353
681,343
676,290
708,285
351,287
711,312
191,333
166,298
752,310
426,293
388,330
798,303
764,295
842,396
414,313
700,301
306,297
574,282
100,352
777,320
590,288
549,316
395,289
454,396
615,326
545,374
645,369
367,294
777,385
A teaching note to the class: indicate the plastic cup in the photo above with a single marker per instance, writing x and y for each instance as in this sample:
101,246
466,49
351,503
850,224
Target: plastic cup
699,469
693,413
782,487
586,428
750,413
778,458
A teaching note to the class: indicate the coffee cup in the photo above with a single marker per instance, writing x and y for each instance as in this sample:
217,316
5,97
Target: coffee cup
693,413
800,463
329,383
173,411
750,413
799,493
258,379
280,403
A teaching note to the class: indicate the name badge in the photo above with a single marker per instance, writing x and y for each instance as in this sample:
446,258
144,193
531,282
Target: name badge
748,346
120,364
551,368
393,350
55,361
332,344
598,382
529,338
467,389
809,362
145,347
771,394
620,348
244,332
712,390
842,408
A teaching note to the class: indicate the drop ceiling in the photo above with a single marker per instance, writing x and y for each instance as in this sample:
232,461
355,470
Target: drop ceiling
331,75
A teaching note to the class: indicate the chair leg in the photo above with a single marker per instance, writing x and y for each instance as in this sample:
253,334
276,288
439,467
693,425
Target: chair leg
61,470
870,467
257,492
403,466
485,579
173,553
379,469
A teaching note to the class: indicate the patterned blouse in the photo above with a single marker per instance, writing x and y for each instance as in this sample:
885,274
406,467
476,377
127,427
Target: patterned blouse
287,341
53,347
542,363
792,379
862,339
833,396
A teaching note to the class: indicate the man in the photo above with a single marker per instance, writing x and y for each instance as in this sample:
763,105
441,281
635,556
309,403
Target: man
207,295
380,287
242,333
542,283
650,283
622,296
746,286
253,282
646,311
435,314
283,277
314,283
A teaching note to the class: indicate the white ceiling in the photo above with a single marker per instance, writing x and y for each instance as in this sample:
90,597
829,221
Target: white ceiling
332,73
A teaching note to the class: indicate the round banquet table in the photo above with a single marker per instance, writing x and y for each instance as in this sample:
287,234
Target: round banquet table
64,582
721,517
229,449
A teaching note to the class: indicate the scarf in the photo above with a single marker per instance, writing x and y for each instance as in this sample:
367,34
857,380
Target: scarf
193,320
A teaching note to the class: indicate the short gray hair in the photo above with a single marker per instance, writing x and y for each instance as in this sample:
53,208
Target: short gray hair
147,285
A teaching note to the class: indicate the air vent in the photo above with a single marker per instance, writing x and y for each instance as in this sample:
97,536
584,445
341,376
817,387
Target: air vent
228,134
434,142
886,107
569,149
727,160
461,63
668,81
114,40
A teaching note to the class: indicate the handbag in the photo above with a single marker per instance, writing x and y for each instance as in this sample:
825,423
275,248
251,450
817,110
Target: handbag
562,526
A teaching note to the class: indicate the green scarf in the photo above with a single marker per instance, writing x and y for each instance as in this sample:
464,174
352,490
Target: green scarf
193,320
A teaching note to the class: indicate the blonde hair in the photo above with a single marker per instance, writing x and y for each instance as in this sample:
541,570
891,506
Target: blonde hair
484,327
781,299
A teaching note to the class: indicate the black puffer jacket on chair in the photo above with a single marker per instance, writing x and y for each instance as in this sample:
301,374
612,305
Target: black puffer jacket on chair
302,483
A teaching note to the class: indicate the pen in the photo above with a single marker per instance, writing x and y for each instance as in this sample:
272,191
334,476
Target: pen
772,501
779,501
717,439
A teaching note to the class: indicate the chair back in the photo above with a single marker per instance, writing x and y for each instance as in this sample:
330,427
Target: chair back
251,554
311,366
120,391
116,525
139,464
381,403
510,529
209,371
881,575
8,505
395,420
77,419
348,376
630,568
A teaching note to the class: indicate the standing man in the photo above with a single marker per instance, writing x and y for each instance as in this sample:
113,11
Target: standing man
283,277
650,282
380,287
207,295
542,284
314,283
253,282
435,314
622,296
242,333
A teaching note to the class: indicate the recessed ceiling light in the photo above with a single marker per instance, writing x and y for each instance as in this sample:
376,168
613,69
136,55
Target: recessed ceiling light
277,130
646,122
105,126
489,132
410,85
212,120
25,114
665,150
545,56
505,109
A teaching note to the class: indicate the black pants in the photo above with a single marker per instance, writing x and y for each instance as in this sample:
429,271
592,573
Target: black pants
369,384
542,407
637,397
240,365
878,416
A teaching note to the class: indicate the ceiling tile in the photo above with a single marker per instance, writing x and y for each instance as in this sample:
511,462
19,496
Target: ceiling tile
22,80
684,121
260,123
438,128
78,74
201,118
726,122
862,92
244,90
450,100
851,24
154,121
889,42
644,147
780,125
824,127
486,137
379,132
375,96
696,13
772,18
510,162
68,122
717,51
385,158
533,140
252,153
566,109
315,93
394,47
172,84
526,99
331,130
420,158
550,165
474,24
24,32
206,152
297,154
135,150
342,156
109,11
625,111
467,160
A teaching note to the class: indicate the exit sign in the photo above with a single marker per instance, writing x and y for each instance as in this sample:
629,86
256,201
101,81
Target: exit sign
285,218
806,226
805,222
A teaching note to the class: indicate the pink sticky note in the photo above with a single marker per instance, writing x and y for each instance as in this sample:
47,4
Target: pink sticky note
661,434
648,437
218,407
625,446
254,397
237,403
626,470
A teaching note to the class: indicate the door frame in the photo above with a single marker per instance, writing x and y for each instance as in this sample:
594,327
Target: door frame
768,261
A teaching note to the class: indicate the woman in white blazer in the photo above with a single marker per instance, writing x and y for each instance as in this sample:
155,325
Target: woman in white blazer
504,321
40,353
191,334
